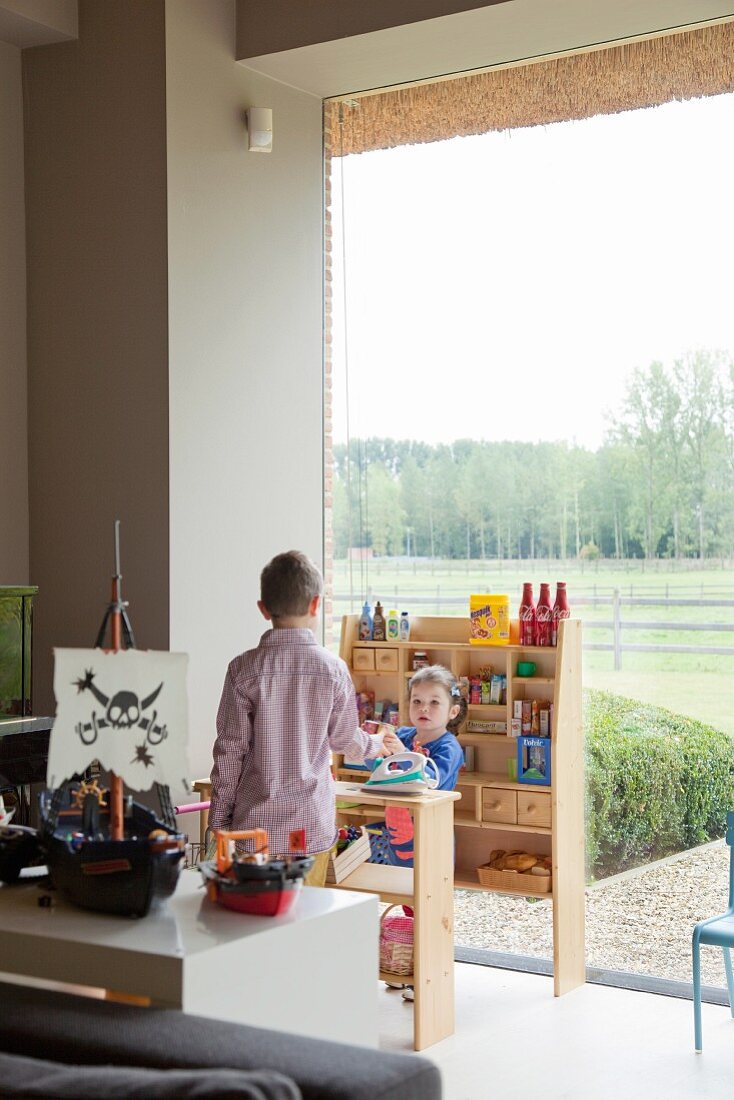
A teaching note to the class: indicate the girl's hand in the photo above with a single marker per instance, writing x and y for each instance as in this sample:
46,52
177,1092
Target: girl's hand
391,744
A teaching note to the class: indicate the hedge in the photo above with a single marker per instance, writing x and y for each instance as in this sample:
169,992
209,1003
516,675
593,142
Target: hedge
656,783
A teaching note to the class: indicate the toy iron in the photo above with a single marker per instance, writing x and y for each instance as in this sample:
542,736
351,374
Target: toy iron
403,773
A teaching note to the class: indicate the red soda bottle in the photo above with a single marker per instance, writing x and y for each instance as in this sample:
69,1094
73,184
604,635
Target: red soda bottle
527,615
543,617
560,610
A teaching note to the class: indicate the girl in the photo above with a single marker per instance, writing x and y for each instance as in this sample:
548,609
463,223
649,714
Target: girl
436,709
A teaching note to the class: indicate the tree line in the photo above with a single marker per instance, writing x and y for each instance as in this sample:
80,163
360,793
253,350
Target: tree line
661,484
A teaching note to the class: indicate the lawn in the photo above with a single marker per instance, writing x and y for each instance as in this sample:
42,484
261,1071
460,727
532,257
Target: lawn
708,696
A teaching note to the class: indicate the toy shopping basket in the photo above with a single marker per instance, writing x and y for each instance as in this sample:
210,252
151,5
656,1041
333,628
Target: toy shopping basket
396,942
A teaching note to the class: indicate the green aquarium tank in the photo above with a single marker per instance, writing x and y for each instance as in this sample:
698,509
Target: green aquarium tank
16,621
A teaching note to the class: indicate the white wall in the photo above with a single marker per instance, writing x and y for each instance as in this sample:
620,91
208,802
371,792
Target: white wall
245,366
13,385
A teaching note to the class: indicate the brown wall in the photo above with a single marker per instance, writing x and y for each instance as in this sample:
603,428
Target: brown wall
269,26
13,390
97,326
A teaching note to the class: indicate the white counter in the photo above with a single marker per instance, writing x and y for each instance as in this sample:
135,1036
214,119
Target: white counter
284,972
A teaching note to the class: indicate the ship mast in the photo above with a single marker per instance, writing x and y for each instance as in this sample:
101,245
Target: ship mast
117,823
117,617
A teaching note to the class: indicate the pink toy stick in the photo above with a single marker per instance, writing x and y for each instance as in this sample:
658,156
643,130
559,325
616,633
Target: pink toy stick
191,807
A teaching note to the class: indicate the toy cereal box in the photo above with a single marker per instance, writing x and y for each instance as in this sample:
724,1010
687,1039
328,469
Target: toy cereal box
490,619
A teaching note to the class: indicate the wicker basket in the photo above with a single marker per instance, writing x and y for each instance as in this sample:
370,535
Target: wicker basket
515,881
396,942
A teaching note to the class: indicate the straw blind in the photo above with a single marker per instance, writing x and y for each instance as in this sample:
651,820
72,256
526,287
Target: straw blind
604,81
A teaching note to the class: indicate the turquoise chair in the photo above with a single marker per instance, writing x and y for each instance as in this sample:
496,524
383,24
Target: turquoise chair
718,931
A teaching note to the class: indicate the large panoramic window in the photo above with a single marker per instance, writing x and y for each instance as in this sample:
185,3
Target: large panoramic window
533,381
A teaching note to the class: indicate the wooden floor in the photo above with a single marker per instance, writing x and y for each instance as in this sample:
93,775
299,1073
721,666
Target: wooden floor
515,1040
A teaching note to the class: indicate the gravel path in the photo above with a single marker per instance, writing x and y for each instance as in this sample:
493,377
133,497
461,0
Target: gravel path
640,921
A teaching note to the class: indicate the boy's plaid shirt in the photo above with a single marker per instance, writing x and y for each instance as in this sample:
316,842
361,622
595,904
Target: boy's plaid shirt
285,706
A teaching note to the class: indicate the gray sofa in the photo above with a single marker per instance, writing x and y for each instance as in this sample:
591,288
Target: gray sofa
61,1045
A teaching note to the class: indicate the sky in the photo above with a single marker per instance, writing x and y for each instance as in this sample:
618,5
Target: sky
505,286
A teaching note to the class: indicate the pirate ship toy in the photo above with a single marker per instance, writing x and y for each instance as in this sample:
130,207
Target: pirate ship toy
251,882
104,851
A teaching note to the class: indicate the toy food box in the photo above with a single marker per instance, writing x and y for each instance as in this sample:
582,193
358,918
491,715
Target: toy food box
489,616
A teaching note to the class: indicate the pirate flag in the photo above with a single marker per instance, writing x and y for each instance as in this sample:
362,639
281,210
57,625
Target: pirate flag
129,710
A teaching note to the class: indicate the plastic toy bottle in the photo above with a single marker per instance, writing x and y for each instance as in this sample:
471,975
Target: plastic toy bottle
365,624
543,617
378,624
393,626
560,610
404,627
527,615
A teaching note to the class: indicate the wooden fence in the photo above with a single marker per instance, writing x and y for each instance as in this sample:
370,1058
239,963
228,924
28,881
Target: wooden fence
617,624
440,604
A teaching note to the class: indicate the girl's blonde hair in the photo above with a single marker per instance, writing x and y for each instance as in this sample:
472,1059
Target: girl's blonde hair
438,674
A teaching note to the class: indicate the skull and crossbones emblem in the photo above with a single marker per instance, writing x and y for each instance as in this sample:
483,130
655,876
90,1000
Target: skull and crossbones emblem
123,711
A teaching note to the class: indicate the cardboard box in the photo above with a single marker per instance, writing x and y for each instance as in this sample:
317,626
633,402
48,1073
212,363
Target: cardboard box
485,725
468,765
489,617
534,760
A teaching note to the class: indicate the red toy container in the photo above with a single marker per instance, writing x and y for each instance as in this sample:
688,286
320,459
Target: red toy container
266,889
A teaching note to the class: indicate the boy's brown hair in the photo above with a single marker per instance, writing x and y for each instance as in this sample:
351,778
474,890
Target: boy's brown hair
288,583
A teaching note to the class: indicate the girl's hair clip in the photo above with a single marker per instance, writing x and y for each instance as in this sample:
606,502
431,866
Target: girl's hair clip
456,691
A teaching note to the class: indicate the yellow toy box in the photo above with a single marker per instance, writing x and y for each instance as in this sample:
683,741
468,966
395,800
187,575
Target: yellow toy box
489,616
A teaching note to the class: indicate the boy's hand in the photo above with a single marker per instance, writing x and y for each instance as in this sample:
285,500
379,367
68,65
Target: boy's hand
391,744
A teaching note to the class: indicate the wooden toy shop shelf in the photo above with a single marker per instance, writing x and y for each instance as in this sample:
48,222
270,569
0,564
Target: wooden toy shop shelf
428,888
495,812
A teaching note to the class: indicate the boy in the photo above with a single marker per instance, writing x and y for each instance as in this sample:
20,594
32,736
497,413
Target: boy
285,705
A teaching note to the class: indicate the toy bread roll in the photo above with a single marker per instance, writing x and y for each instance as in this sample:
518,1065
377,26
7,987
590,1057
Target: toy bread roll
499,862
522,861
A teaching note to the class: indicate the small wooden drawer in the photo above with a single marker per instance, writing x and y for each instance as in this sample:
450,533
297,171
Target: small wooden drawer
499,805
363,660
386,660
533,809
